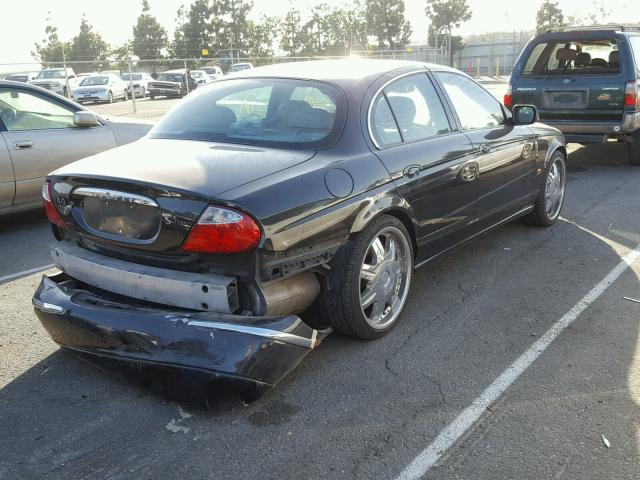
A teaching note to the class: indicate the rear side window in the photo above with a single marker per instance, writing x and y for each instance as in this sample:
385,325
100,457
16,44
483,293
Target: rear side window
417,108
573,57
408,110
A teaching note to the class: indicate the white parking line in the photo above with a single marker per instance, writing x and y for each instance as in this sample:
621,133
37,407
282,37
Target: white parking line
452,433
15,276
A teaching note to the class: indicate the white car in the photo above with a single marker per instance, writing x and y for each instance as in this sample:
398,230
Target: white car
200,76
59,80
214,72
140,83
238,67
101,88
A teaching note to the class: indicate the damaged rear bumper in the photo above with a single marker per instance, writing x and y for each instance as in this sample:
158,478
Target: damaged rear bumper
261,350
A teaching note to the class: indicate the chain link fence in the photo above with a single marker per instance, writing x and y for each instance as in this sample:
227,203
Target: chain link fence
477,60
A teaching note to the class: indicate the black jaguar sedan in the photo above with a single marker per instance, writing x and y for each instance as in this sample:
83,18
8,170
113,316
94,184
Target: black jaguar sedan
274,205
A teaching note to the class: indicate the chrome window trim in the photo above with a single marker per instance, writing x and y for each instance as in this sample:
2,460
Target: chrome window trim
108,194
424,71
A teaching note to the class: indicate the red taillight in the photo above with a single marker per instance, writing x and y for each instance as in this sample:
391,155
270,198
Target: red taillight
508,97
631,94
223,230
49,208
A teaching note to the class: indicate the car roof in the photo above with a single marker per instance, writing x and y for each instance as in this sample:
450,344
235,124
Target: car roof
340,72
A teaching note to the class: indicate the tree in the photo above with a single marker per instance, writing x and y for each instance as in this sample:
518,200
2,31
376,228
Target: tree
346,29
260,36
549,16
236,27
292,35
385,21
149,37
50,48
193,32
445,15
88,46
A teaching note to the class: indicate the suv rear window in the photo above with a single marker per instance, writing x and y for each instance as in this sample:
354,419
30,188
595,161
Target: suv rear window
577,57
263,111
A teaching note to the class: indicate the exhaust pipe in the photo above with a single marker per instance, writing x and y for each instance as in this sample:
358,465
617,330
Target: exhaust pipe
289,296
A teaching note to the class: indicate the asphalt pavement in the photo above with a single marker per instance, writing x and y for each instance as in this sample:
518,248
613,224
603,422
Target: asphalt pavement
356,409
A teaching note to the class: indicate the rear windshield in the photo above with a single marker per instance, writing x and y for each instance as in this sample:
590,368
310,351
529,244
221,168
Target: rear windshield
578,57
90,81
262,111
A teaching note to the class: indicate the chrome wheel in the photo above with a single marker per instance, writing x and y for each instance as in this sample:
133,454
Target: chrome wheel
554,188
385,277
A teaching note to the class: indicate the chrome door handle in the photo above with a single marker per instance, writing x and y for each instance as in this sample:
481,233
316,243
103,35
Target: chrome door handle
469,171
485,148
411,171
20,144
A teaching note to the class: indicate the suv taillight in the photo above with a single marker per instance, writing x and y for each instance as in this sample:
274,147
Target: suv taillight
508,97
222,230
631,94
49,208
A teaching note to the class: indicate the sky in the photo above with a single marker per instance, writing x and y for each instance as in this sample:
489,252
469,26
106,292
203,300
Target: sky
24,20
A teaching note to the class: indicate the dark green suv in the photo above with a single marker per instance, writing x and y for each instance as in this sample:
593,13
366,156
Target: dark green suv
584,82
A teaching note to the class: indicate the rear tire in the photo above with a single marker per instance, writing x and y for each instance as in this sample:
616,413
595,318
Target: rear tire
633,149
551,197
125,96
371,278
152,97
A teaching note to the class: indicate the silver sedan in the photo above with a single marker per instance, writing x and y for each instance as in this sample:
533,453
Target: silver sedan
42,131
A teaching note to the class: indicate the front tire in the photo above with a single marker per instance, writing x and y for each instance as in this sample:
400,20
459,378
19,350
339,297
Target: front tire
551,197
125,96
371,280
110,98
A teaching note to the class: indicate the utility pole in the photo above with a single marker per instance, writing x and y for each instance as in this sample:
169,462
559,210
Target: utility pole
133,91
66,74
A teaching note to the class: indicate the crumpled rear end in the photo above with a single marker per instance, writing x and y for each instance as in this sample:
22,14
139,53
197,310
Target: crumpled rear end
261,350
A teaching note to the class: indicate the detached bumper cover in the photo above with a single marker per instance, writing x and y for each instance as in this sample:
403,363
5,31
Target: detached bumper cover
261,350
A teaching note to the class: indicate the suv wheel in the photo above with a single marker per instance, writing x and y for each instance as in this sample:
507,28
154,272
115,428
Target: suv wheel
633,148
549,202
372,277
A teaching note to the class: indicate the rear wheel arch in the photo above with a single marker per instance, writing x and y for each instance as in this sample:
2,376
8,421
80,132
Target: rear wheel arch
394,211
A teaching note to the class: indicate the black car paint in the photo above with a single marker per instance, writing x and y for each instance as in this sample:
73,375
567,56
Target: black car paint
304,222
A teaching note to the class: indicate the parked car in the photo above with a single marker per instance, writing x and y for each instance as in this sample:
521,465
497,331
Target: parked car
584,81
24,77
41,131
239,67
171,84
200,76
101,88
140,83
321,184
59,80
214,72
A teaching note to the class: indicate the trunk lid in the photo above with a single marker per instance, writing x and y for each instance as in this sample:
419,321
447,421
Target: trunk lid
578,97
147,195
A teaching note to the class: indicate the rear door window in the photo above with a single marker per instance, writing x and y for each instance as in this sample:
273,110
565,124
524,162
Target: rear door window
573,58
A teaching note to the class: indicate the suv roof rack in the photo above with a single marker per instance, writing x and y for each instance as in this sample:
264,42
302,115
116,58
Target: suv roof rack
570,28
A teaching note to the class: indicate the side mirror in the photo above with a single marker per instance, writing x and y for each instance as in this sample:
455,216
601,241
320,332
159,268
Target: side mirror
84,118
524,114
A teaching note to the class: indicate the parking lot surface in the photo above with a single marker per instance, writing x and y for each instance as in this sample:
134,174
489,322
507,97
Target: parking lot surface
356,409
